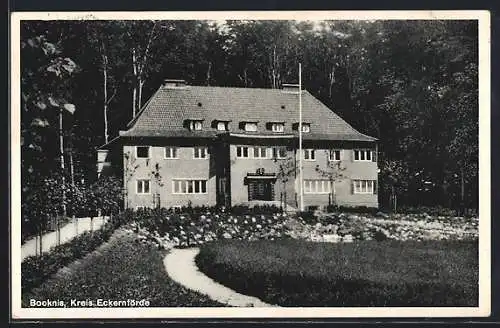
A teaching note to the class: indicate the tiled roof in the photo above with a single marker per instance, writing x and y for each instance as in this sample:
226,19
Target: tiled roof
167,110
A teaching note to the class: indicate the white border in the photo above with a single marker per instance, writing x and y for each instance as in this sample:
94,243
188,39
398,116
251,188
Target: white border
484,308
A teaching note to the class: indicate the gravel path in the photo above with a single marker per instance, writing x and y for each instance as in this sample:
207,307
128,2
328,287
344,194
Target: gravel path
181,267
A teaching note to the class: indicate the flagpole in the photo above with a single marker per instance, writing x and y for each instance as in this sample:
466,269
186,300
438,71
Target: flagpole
301,155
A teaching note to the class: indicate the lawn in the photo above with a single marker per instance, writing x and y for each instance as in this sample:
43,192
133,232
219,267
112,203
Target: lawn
126,269
364,273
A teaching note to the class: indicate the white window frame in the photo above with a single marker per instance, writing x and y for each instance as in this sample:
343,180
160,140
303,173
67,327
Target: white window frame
364,187
196,151
306,127
142,186
196,125
334,151
367,155
171,149
242,152
149,151
311,153
259,151
278,127
195,183
251,124
276,152
223,125
317,186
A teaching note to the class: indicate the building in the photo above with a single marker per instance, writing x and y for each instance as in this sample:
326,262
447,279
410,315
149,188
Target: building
199,145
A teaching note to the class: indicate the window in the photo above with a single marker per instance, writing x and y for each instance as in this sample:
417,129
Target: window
143,186
309,155
200,152
334,155
251,126
222,126
195,125
306,127
364,186
317,186
279,152
277,127
186,186
142,151
242,152
260,152
362,155
171,152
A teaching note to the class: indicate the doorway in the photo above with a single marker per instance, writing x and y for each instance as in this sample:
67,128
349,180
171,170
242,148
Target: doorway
261,189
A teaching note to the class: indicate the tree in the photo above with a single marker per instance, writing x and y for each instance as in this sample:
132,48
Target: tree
286,168
45,87
333,171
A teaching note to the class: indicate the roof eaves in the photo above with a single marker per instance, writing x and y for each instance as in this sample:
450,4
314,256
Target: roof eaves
109,143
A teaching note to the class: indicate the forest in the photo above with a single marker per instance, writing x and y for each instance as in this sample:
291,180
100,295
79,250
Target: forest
411,84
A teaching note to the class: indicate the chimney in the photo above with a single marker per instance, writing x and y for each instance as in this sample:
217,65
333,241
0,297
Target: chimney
173,83
292,88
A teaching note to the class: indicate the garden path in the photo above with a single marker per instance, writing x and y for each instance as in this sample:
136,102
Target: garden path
68,232
181,267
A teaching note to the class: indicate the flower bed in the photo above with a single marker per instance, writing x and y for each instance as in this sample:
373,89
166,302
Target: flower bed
169,229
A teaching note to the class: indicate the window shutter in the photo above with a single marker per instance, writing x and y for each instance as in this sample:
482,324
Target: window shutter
352,187
374,187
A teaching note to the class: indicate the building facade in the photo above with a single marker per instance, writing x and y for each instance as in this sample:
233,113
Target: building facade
194,145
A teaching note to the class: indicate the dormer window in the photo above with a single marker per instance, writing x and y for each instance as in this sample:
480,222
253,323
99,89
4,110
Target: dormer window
250,126
195,125
306,127
277,127
222,126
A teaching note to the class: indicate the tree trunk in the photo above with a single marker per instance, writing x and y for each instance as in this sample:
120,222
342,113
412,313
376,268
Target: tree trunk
134,84
139,97
63,182
72,168
208,73
105,100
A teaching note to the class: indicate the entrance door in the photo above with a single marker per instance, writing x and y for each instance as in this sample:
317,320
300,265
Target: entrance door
260,189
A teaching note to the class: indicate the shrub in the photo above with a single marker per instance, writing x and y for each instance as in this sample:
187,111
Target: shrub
257,209
308,217
353,209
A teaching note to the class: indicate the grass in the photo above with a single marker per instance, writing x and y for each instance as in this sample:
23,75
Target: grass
125,269
367,273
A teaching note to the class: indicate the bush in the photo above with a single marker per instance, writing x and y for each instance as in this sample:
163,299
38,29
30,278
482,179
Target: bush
36,269
368,273
354,209
308,217
257,209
